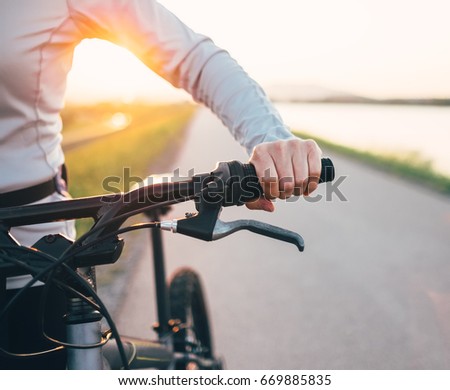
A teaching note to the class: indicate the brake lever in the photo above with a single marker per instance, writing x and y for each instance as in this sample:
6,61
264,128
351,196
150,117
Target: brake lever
198,226
223,229
206,225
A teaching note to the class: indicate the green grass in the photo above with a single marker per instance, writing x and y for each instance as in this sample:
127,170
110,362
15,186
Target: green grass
154,132
410,166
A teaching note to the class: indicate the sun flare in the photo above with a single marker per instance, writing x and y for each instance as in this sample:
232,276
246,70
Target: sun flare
103,71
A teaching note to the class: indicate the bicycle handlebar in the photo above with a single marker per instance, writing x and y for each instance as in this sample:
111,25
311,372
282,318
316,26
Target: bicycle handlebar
249,186
226,178
231,183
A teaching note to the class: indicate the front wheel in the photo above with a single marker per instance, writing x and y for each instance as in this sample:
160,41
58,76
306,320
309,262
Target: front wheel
192,336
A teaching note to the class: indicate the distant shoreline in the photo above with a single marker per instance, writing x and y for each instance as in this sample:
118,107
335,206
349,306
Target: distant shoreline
346,100
407,167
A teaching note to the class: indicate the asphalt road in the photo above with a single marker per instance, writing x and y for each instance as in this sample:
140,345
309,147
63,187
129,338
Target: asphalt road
371,290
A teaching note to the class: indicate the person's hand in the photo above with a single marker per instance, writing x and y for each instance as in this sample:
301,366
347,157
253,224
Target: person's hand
285,168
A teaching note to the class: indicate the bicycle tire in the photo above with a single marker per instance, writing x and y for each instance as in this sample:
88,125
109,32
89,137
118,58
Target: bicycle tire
192,335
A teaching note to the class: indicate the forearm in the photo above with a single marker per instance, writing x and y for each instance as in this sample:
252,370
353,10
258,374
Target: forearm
187,60
241,104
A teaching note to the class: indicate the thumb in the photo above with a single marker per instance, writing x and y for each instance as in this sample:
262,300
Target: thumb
261,204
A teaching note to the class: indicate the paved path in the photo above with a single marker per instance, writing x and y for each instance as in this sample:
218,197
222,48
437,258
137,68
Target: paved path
371,290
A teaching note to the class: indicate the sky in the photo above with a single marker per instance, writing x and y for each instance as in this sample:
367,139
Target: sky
375,48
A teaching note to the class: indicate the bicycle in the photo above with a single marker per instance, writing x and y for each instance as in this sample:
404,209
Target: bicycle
184,340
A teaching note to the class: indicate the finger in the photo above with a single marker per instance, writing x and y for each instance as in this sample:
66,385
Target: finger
266,172
311,186
301,172
261,204
315,168
285,172
271,188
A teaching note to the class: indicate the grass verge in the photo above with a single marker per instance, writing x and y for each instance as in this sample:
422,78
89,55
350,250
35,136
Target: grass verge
152,134
410,166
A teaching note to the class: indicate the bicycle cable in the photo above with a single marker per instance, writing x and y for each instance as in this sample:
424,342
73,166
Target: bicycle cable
8,307
61,262
85,298
77,242
103,310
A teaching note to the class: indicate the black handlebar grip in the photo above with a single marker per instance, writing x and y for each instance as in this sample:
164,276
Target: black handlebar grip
249,187
327,173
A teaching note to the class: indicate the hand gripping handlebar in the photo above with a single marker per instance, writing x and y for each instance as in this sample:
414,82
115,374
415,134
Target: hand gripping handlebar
233,183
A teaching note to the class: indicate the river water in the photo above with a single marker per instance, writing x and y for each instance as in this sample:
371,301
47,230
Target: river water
392,129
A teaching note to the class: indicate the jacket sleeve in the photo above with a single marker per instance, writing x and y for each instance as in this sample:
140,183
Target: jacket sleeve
187,60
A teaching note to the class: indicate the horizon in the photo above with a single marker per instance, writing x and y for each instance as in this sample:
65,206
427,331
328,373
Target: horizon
379,50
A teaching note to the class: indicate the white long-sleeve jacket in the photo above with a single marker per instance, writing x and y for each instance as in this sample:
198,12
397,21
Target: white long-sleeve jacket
37,40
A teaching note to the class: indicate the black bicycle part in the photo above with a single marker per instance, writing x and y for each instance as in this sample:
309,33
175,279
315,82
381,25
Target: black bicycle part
234,183
162,295
21,331
140,353
190,324
39,272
